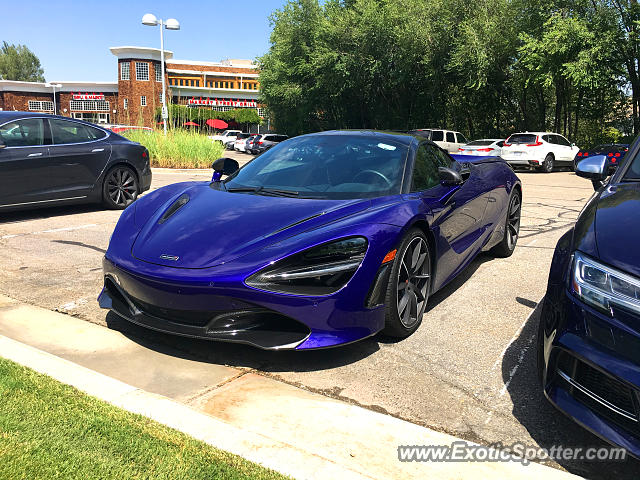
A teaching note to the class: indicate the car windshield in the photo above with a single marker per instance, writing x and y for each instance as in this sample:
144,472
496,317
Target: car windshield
478,143
326,166
522,138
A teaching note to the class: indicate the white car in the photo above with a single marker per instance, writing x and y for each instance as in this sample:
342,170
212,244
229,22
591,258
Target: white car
541,150
446,139
226,136
240,143
487,147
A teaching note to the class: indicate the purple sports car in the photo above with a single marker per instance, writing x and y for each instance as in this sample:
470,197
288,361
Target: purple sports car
323,240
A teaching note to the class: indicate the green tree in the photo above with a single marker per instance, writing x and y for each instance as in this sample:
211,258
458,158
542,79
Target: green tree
17,62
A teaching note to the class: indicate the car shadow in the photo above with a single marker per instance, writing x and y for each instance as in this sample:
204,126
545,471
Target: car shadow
48,212
241,355
546,425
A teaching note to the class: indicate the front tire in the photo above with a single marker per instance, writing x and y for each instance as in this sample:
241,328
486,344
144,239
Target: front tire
120,188
512,227
409,285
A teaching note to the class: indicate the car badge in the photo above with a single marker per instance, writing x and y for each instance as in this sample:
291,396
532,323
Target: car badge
173,258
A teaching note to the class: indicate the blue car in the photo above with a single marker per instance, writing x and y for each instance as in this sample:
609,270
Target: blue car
589,333
322,240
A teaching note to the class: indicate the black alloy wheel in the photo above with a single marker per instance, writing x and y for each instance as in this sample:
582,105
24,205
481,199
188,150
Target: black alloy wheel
120,187
409,286
512,227
547,165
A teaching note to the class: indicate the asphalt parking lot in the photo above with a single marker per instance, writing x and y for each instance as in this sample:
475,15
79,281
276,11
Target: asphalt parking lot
469,370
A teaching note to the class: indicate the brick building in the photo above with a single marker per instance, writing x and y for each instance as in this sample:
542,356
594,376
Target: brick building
136,94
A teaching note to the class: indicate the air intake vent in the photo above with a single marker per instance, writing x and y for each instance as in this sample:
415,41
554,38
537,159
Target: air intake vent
177,205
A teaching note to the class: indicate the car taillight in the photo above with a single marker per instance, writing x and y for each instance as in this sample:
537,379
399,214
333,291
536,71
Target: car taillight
260,142
145,154
536,144
617,154
505,144
484,149
461,149
610,154
586,154
579,154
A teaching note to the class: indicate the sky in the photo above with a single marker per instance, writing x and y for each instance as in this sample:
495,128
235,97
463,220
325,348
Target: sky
72,38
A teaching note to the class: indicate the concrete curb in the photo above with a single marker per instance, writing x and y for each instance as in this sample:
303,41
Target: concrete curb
272,454
288,458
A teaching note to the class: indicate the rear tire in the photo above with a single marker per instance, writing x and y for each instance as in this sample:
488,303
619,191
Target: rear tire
409,285
547,165
120,187
508,243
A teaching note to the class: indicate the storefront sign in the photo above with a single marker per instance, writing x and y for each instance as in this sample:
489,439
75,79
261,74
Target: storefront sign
214,102
88,96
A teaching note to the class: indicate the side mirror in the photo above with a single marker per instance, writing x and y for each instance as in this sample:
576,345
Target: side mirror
595,168
224,166
449,177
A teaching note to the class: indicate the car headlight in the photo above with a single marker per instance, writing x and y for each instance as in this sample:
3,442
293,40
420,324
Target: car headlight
603,287
320,270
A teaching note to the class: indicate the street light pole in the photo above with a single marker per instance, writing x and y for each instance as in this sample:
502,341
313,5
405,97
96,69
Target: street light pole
53,86
150,19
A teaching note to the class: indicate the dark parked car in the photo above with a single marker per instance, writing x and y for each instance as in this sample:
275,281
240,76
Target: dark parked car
53,160
328,238
265,142
615,152
589,334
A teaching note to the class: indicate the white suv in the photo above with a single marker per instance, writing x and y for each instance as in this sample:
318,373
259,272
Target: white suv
226,137
445,139
542,150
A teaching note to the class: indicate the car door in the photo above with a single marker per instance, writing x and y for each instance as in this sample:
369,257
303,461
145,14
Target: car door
450,141
458,221
460,141
24,162
437,137
78,155
565,148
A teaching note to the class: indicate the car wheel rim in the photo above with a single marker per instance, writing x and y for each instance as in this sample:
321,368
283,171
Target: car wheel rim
413,282
121,187
548,165
513,222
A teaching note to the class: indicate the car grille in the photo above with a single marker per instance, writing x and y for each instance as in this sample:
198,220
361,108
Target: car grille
600,392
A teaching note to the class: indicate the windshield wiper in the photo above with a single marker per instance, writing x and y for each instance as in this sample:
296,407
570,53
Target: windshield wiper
265,191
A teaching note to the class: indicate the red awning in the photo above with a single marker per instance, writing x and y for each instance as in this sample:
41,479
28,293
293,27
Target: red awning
218,124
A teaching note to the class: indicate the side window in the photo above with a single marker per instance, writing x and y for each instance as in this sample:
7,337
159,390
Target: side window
425,170
437,136
450,137
562,141
95,133
500,143
442,158
547,138
28,132
63,132
461,138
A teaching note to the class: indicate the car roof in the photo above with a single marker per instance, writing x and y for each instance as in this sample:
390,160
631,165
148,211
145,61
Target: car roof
13,114
402,137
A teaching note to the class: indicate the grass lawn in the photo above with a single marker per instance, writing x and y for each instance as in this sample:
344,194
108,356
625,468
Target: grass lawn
49,430
179,149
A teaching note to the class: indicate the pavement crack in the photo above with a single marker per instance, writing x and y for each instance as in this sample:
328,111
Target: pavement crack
196,397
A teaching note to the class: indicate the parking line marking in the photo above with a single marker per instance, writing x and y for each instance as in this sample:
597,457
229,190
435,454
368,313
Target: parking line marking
53,230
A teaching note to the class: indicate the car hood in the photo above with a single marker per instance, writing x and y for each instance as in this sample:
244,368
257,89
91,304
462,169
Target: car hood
617,228
214,226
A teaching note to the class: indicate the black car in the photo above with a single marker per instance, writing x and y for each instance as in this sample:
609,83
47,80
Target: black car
614,151
52,160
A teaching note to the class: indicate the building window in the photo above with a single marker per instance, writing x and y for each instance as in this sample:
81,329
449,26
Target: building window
124,71
126,103
89,105
143,100
158,73
181,82
260,111
41,106
142,71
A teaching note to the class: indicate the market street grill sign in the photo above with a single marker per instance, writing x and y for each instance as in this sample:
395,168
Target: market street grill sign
214,102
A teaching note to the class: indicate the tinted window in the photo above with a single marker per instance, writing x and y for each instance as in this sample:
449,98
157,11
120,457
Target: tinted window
461,138
63,132
437,136
522,138
633,173
96,133
23,133
546,138
500,143
450,137
328,166
442,157
560,140
425,169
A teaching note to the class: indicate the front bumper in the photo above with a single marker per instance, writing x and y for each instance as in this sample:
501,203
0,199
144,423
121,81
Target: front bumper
225,309
592,368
